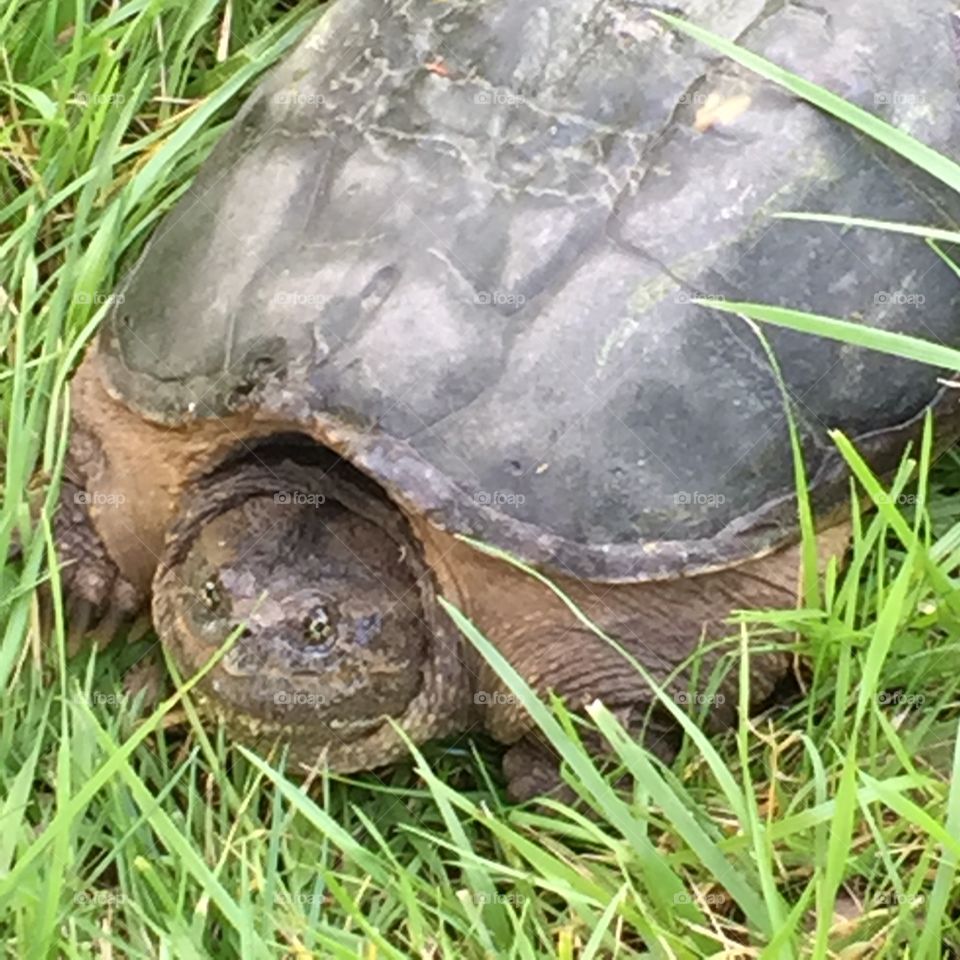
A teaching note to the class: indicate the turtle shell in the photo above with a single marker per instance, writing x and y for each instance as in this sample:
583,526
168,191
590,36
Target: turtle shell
460,241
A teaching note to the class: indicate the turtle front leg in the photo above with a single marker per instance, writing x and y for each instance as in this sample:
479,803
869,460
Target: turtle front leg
97,593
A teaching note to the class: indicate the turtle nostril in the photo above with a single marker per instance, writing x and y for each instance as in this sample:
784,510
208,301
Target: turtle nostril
245,634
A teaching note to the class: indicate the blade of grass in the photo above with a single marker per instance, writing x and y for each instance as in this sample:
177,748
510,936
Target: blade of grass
661,883
845,331
889,226
65,815
939,898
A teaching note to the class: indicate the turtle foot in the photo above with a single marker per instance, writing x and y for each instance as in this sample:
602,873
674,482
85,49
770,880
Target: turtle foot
532,766
98,597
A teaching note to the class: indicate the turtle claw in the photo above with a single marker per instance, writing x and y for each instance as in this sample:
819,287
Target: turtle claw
147,679
79,615
532,770
99,597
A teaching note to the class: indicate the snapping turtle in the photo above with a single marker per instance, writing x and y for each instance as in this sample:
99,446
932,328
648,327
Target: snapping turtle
438,279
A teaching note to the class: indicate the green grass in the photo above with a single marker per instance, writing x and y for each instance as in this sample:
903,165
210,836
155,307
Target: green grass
829,828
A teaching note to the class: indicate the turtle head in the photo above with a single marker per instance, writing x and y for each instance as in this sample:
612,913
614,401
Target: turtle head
325,607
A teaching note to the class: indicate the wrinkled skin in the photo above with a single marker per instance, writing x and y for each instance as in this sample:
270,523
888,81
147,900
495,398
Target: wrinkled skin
324,603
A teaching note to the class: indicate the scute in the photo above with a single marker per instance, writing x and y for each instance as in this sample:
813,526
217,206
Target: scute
465,238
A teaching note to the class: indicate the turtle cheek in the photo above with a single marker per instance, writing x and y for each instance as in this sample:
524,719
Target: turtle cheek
367,629
334,704
327,690
198,628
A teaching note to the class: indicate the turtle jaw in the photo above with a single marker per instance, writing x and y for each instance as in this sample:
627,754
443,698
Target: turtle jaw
315,741
278,709
321,618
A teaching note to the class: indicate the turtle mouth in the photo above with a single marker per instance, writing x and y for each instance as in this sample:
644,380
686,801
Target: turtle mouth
312,595
347,730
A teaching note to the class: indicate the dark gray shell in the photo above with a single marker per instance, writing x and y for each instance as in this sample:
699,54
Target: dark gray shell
463,237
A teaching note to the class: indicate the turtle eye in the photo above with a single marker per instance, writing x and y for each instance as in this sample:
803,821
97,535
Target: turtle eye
210,594
316,626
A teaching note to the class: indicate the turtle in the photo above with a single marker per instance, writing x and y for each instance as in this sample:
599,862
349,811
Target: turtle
447,279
